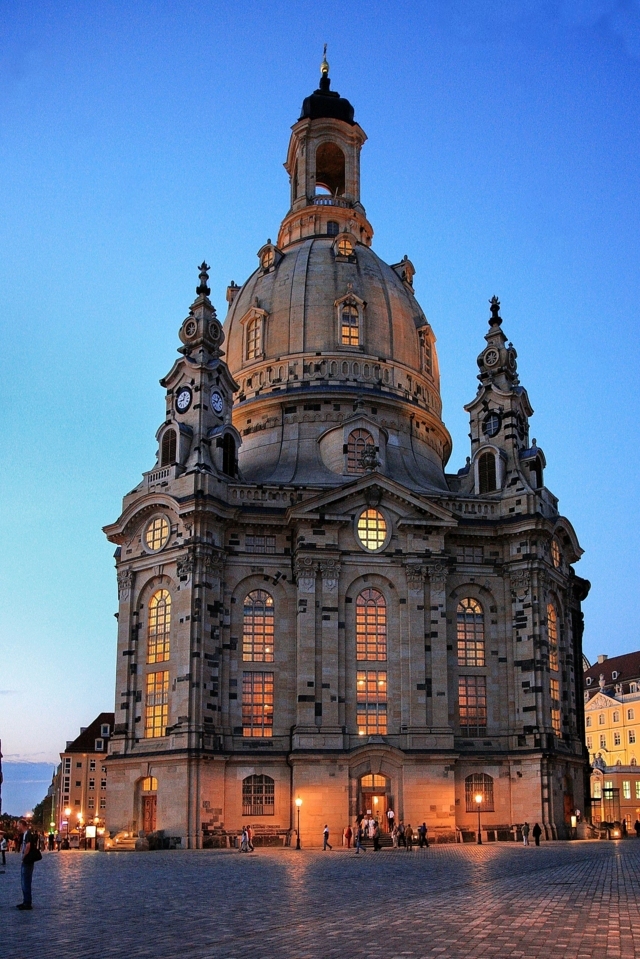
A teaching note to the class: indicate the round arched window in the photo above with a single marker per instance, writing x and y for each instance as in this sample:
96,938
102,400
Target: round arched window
156,535
372,530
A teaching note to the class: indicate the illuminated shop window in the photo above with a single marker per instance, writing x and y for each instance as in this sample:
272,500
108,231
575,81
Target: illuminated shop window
470,619
371,626
349,326
157,705
258,627
257,705
372,529
157,533
372,702
159,627
472,703
258,796
552,635
357,443
479,784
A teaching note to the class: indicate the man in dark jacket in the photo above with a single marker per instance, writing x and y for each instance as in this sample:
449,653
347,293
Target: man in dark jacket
536,832
29,851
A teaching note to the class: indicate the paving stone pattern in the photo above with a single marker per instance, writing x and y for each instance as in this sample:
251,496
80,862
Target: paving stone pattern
576,900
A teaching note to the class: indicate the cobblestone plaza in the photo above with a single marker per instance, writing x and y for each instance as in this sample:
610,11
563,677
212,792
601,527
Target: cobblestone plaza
562,899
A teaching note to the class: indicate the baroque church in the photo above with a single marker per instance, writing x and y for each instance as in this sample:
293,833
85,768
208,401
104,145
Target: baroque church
317,621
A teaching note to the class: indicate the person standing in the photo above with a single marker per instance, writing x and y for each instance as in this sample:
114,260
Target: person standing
401,838
536,833
636,826
358,839
325,838
376,836
250,839
348,834
30,855
391,817
525,834
3,848
408,835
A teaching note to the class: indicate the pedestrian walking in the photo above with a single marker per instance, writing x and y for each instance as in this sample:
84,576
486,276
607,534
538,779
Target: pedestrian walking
250,839
358,839
30,856
408,835
325,838
3,848
525,834
348,834
536,832
244,841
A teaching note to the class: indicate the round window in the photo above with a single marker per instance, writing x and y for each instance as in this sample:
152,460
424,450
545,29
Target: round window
156,534
345,246
491,425
372,529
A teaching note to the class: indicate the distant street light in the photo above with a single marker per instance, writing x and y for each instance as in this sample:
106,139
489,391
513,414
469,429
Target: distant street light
478,798
298,804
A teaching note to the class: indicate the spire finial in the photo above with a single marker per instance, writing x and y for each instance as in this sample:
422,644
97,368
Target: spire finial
496,319
324,66
203,288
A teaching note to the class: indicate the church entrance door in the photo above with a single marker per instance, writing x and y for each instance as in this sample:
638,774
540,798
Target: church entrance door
375,804
149,804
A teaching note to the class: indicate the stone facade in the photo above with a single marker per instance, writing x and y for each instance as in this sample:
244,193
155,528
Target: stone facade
310,607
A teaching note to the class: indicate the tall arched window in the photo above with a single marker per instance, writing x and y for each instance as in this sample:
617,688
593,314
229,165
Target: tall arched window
333,228
349,325
552,635
470,619
371,626
356,445
159,627
479,784
229,464
487,473
258,796
257,631
168,451
254,338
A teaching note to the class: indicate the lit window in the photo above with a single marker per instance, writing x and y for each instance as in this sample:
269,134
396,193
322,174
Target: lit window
257,630
358,442
372,702
159,627
470,633
617,739
601,719
603,741
552,635
616,716
371,626
589,742
597,789
372,529
554,690
149,784
268,258
632,736
626,789
258,796
157,705
555,553
157,533
630,714
168,449
260,544
254,338
637,789
487,473
479,785
472,702
373,781
345,245
349,325
257,705
588,722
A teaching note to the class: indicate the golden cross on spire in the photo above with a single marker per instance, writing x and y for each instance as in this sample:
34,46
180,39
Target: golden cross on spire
324,66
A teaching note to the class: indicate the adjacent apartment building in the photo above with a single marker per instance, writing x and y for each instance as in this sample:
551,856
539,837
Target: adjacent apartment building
81,789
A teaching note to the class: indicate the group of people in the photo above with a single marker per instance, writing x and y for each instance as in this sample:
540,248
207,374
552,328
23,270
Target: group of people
246,840
366,827
536,832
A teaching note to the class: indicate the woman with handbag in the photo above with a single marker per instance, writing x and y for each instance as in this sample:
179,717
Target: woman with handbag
30,856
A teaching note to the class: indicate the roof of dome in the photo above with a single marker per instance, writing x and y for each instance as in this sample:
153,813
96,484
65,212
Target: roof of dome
300,295
325,103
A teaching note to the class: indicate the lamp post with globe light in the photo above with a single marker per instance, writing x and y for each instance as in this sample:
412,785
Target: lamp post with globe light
298,804
478,799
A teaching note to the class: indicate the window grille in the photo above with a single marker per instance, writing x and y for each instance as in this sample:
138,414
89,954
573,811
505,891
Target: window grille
350,325
254,338
371,702
554,690
470,620
260,544
258,796
258,627
168,452
552,635
371,626
157,705
372,529
159,627
487,473
479,784
257,705
357,443
472,702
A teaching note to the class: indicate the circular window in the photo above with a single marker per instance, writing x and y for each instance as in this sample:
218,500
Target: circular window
491,424
372,530
345,246
156,534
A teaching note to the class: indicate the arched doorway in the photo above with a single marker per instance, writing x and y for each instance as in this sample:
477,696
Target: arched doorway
374,798
148,803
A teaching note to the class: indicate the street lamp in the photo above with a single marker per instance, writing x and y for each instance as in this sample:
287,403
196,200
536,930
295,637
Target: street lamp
298,804
478,798
67,813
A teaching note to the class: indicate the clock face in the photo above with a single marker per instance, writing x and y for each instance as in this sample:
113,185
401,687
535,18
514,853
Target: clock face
491,357
183,399
217,403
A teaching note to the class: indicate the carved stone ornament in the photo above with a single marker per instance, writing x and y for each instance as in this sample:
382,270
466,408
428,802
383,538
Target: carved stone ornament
437,576
306,570
125,582
185,564
520,580
330,574
415,577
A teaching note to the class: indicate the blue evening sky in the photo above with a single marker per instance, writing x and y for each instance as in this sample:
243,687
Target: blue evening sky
138,138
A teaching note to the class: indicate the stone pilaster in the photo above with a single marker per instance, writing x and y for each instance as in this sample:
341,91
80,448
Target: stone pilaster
437,573
416,686
330,571
306,575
